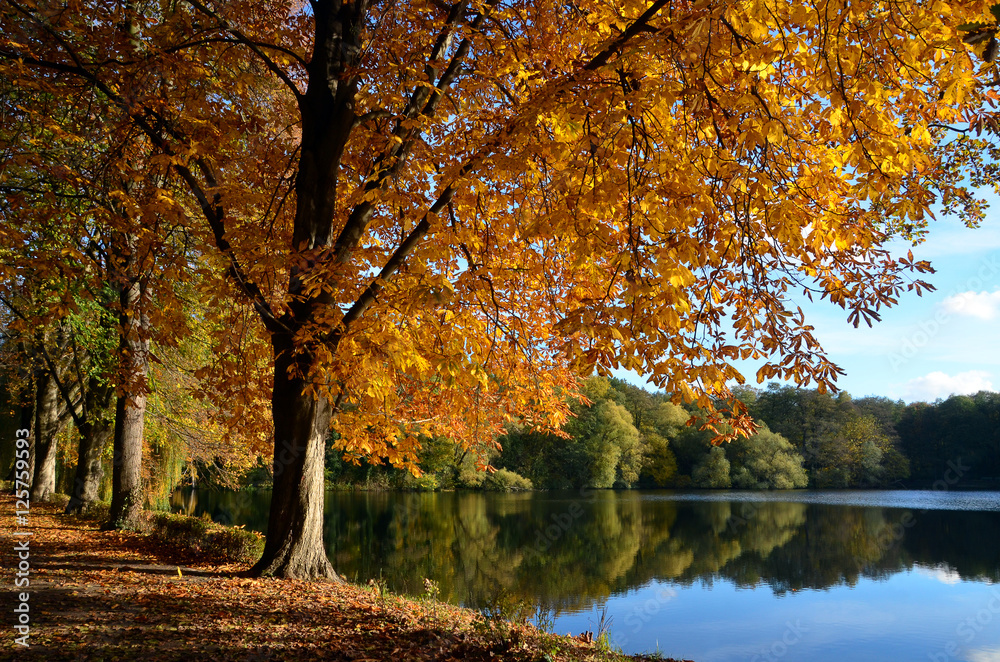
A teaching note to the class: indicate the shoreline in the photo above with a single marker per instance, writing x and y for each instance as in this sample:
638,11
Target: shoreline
986,485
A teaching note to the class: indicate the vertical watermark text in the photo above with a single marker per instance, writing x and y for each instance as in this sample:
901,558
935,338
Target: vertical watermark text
22,536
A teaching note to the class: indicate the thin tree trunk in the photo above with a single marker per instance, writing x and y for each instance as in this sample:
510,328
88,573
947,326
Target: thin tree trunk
294,543
26,421
47,427
127,489
95,433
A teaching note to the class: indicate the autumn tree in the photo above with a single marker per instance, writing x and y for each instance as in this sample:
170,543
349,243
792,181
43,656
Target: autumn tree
94,339
491,197
42,373
88,231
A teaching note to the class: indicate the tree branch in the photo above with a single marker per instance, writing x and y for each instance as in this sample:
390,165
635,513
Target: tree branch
395,261
254,46
423,102
72,393
211,209
641,24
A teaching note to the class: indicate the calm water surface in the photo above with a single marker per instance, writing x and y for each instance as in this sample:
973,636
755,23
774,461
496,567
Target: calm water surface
708,576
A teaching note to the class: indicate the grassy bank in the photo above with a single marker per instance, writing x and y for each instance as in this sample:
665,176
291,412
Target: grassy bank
175,592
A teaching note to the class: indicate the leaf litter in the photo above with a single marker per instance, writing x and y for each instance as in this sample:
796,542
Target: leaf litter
126,596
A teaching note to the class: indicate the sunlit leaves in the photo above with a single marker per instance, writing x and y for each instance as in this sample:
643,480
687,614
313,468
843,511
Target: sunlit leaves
529,191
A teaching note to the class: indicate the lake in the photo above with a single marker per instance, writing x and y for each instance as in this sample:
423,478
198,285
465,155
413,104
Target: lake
712,576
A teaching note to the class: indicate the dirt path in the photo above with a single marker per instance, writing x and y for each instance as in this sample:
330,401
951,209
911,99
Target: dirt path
118,596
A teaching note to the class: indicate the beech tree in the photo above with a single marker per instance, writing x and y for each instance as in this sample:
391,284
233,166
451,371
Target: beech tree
443,212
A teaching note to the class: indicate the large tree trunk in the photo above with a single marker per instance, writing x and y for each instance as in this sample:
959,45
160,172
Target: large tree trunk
95,432
127,493
127,490
294,543
47,426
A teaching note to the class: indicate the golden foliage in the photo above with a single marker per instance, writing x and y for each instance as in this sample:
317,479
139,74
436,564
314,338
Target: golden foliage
500,196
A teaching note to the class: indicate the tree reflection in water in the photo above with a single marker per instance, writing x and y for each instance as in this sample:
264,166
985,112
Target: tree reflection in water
569,551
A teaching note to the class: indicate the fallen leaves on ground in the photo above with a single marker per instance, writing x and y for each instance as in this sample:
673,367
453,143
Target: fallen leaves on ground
125,596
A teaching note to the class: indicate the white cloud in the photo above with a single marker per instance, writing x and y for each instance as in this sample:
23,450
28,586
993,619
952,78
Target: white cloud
983,655
943,574
984,305
937,384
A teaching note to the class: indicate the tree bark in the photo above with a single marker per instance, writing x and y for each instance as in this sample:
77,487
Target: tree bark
26,421
95,432
47,427
127,489
294,543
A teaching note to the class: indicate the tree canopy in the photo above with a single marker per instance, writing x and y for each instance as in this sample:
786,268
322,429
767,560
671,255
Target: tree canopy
442,214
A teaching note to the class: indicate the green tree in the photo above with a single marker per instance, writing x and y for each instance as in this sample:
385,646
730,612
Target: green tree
713,470
867,446
659,468
605,446
765,461
602,447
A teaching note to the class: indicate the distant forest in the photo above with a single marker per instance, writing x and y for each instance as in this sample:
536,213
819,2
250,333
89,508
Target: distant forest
628,437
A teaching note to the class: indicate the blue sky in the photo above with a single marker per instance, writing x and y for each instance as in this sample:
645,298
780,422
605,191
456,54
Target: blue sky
925,347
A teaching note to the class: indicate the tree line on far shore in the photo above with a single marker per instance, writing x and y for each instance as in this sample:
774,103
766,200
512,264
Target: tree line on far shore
627,437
